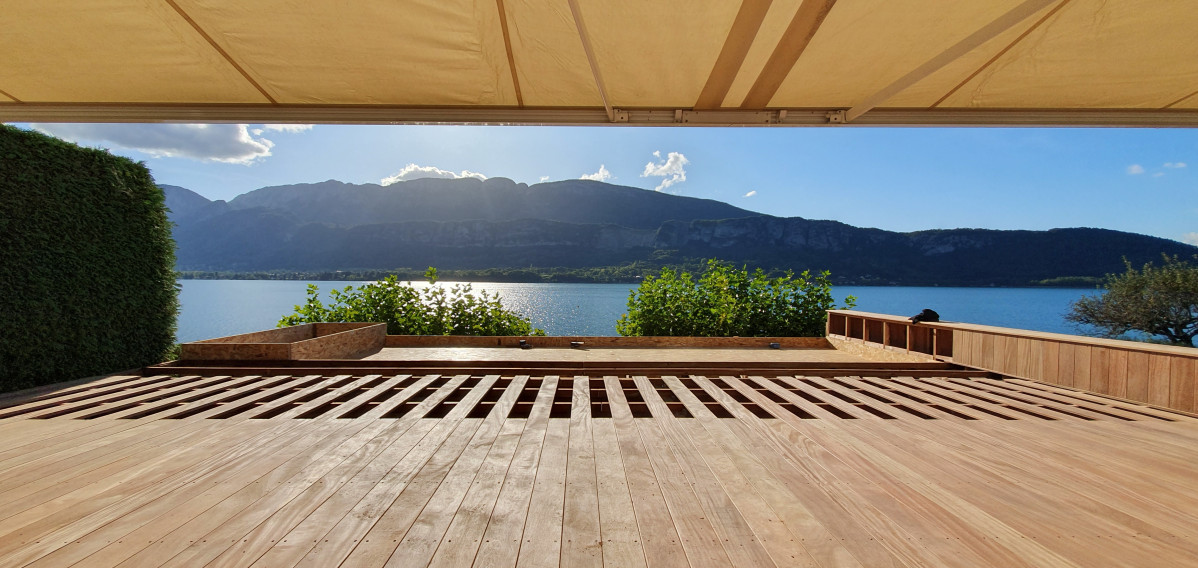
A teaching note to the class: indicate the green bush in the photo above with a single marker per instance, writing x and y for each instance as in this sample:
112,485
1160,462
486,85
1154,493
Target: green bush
86,262
727,302
408,310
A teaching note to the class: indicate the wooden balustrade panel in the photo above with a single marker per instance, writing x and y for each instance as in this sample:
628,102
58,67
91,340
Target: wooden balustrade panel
1144,372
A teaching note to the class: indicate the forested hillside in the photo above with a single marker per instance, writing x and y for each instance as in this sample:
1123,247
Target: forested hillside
472,224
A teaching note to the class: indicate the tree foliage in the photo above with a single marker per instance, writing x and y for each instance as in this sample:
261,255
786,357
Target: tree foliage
411,310
1158,300
725,301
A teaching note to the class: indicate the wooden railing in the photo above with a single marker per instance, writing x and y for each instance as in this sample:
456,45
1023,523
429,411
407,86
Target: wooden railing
1162,375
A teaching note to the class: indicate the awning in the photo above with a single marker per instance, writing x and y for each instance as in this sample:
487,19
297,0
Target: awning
668,62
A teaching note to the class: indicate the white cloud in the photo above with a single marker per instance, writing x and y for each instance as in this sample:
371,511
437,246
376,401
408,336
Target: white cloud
750,194
229,143
601,175
544,179
1135,169
1158,174
1190,238
672,170
1175,165
412,171
290,128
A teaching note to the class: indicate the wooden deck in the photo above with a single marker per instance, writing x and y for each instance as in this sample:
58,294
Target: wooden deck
505,469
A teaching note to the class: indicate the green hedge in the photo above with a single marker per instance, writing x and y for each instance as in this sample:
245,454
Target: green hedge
87,280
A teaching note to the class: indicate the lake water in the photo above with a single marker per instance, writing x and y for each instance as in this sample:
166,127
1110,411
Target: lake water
215,308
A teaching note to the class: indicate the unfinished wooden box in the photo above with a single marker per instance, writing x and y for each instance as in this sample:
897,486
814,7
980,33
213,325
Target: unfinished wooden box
307,341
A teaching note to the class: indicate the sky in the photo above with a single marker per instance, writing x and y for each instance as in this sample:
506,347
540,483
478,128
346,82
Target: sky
901,179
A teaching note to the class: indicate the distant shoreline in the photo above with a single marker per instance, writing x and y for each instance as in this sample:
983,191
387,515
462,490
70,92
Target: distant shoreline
598,275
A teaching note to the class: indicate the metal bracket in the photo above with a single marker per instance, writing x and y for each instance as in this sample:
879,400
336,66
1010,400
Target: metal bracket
618,115
837,117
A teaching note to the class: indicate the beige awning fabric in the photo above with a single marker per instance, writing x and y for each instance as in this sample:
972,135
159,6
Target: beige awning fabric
684,62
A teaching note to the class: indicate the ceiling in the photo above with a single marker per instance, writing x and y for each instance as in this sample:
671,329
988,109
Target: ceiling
667,62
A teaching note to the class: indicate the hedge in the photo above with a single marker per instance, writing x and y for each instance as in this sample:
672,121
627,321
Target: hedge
87,283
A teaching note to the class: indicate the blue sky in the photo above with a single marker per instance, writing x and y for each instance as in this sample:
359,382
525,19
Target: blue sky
903,179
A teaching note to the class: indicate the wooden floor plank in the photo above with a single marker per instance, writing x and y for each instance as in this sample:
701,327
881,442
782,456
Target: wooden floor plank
1114,502
340,541
71,400
464,535
858,506
542,544
418,488
226,524
95,505
194,520
38,485
421,539
795,493
501,542
284,541
907,507
156,518
722,491
1084,396
80,456
287,401
268,518
86,498
20,435
124,402
921,401
582,540
1032,401
88,436
622,540
1121,462
694,495
240,397
62,390
276,532
659,535
1086,540
448,471
1100,411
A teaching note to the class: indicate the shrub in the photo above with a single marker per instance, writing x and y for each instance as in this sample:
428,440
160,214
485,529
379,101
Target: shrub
408,310
727,302
86,262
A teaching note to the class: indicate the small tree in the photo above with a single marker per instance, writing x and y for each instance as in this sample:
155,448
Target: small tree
1160,301
408,310
727,302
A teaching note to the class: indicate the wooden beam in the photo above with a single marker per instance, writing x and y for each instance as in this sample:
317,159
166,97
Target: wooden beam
511,59
220,50
1001,53
586,46
802,28
732,56
591,116
1179,101
16,100
986,33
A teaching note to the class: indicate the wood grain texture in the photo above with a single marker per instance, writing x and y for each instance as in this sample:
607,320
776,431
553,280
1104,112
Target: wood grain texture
743,470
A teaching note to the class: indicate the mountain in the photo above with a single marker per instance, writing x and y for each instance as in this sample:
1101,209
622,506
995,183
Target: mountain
469,199
497,223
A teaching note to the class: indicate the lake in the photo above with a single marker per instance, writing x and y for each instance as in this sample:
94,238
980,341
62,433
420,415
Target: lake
215,308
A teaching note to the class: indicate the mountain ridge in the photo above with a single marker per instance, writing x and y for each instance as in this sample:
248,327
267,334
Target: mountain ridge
497,223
